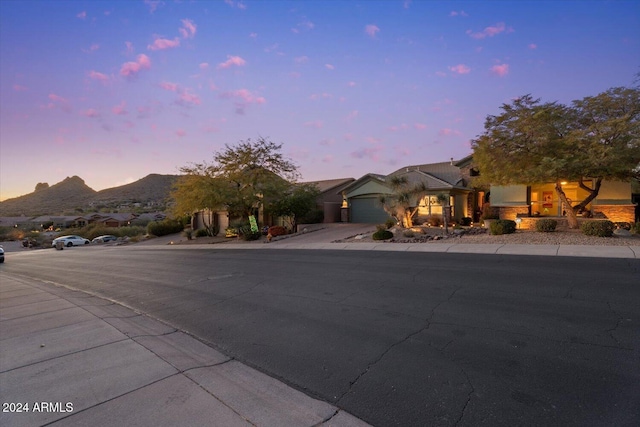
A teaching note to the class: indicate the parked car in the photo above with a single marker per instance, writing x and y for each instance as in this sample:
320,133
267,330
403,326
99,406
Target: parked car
1,254
104,239
69,241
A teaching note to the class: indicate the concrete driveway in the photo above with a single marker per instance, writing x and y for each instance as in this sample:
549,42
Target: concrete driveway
327,233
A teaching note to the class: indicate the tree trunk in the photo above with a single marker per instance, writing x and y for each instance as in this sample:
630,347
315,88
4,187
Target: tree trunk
572,219
593,193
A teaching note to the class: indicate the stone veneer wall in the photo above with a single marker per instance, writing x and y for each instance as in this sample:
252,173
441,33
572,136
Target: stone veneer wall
617,213
512,212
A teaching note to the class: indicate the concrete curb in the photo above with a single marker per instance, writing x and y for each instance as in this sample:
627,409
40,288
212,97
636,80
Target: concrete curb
632,252
76,359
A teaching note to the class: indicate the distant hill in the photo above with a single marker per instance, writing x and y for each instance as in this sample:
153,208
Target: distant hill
72,193
152,187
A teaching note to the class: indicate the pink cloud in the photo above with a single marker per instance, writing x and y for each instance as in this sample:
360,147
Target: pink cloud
92,113
491,31
130,69
120,109
351,84
232,61
190,98
181,133
372,140
153,4
172,87
460,69
420,126
81,15
162,44
371,30
352,115
316,124
301,59
532,46
245,96
57,98
396,128
94,75
372,153
129,46
329,67
19,88
328,158
188,29
320,96
92,48
240,5
448,132
203,66
460,13
501,70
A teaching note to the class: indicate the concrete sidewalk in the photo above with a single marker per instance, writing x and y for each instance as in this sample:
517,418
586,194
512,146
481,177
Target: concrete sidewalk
76,359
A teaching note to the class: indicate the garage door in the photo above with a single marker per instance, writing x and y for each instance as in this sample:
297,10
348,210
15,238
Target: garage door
368,210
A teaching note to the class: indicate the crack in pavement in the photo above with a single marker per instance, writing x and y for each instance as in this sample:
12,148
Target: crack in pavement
397,343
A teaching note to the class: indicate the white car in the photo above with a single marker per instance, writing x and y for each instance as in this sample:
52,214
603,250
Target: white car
69,241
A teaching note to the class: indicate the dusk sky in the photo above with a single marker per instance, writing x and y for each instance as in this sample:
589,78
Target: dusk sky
112,91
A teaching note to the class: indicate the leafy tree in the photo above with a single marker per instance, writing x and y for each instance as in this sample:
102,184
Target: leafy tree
403,203
241,179
296,203
42,186
530,142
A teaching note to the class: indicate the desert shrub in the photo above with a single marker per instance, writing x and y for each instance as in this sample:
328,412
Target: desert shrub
94,230
277,230
167,226
408,233
598,228
502,226
466,221
201,232
382,235
389,223
546,225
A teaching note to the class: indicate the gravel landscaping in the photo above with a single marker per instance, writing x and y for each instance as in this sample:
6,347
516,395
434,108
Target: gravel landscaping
523,237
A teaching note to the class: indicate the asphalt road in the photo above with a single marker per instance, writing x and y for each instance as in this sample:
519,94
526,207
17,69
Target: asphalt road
397,339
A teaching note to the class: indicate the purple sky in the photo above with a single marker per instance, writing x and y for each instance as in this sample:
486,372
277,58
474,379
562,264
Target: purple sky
114,90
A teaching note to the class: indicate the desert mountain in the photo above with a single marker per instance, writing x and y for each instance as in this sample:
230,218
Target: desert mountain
72,193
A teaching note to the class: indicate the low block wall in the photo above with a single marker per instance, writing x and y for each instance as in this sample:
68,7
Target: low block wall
617,213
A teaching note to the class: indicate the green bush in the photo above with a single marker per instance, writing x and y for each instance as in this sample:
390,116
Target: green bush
598,228
636,228
408,233
94,230
502,226
382,235
389,223
162,228
201,232
546,225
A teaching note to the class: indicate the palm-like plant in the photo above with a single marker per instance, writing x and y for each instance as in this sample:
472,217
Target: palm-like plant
403,203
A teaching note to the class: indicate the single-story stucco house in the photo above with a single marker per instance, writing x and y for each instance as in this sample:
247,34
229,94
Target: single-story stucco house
613,201
361,198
